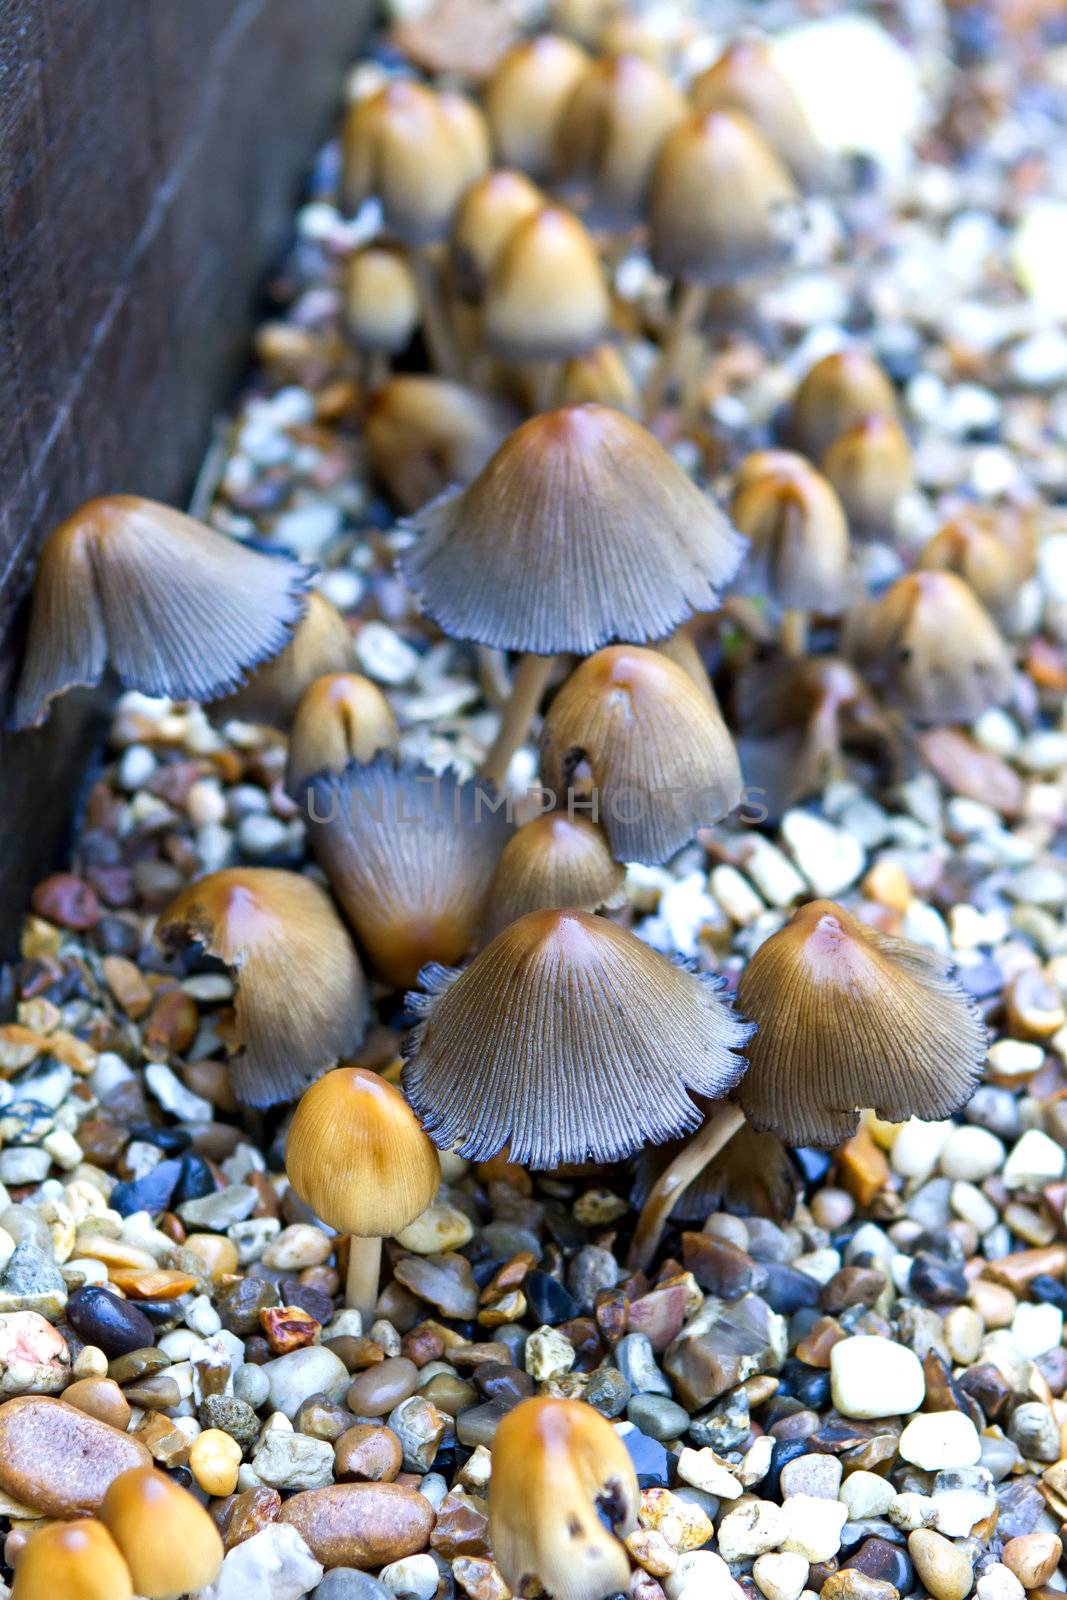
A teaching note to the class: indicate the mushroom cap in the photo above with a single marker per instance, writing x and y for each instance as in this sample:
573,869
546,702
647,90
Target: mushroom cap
846,1018
579,530
409,855
274,930
599,377
320,643
870,467
834,394
341,717
489,213
177,610
547,297
171,1545
660,759
555,860
567,1039
399,145
930,649
554,1463
470,131
71,1561
381,299
723,206
797,532
614,122
992,548
424,434
357,1156
525,97
746,78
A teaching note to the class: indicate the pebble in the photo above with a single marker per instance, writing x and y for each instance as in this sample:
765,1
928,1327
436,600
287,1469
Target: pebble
753,1528
658,1417
347,1583
636,1360
1033,1558
780,1576
438,1228
173,1096
365,1451
1036,1160
704,1470
222,1208
866,1494
812,1526
828,857
411,1578
375,1391
289,1460
294,1248
938,1440
100,1317
366,1524
274,1564
548,1354
60,1460
971,1154
942,1566
313,1370
875,1377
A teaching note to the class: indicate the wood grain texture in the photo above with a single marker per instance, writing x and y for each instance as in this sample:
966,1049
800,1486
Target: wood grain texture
150,155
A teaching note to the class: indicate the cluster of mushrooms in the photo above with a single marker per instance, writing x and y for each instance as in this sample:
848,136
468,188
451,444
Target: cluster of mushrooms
574,541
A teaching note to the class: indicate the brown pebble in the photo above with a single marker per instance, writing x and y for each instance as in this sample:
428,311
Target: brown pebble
100,1398
862,1168
360,1525
367,1452
1033,1557
377,1390
357,1353
68,901
479,1578
171,1026
158,1393
127,983
288,1328
942,1566
101,1141
218,1253
1018,1271
449,1393
321,1420
60,1460
814,1349
240,1516
852,1286
851,1584
462,1526
422,1345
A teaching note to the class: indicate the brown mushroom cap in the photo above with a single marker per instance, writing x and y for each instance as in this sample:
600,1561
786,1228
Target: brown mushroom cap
660,759
170,1543
870,467
834,394
618,115
554,1463
746,78
470,131
599,377
381,299
71,1561
424,434
929,649
399,145
992,548
357,1156
847,1018
567,1039
797,532
547,297
320,643
580,529
525,97
175,608
723,205
552,861
342,717
301,997
409,855
490,212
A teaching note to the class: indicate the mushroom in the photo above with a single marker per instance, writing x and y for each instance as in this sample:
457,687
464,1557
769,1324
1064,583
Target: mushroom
71,1561
615,120
993,549
645,747
342,717
301,997
870,467
555,860
424,435
835,393
175,608
566,1039
488,215
470,131
525,97
560,1472
751,1176
356,1155
580,529
599,377
381,307
170,1544
746,78
320,643
798,539
409,855
930,649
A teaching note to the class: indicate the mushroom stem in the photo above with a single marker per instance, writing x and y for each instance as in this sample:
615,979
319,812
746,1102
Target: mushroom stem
374,369
687,314
531,677
793,633
364,1273
544,384
672,1183
436,323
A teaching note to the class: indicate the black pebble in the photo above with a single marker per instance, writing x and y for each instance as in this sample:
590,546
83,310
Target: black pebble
785,1450
936,1282
550,1302
813,1164
151,1193
170,1140
889,1562
787,1290
648,1456
101,1318
1049,1291
810,1385
195,1179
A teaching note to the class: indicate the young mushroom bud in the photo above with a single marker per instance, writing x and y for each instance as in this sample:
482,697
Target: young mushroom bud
930,650
525,97
174,608
342,717
399,145
848,1018
643,745
622,108
560,1471
424,435
381,300
797,532
567,1039
599,377
723,205
71,1561
870,467
991,548
470,132
835,393
356,1155
490,212
170,1544
409,855
746,78
553,861
321,643
547,297
273,929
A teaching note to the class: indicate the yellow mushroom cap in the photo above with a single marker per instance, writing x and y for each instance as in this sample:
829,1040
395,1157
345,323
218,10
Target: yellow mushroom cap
490,212
834,394
618,115
356,1155
552,861
554,1463
797,532
992,548
599,377
547,296
525,97
399,145
469,130
170,1543
381,299
870,467
425,434
320,643
71,1561
746,78
342,717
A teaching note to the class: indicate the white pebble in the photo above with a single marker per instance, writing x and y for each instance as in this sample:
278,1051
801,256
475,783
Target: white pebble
971,1154
1034,1161
780,1577
812,1526
918,1146
940,1441
1037,1328
875,1377
828,857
